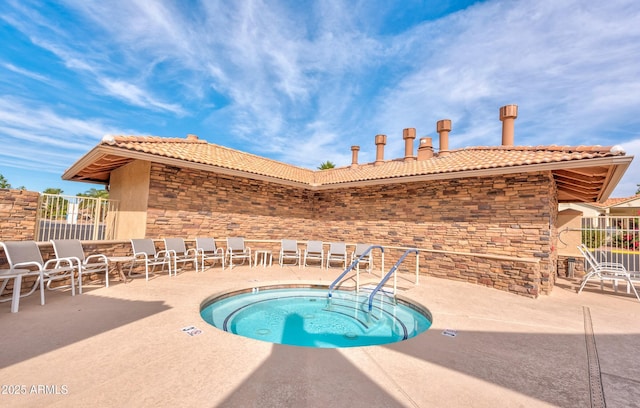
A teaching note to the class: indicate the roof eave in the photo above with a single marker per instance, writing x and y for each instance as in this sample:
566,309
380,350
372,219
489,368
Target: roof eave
620,164
102,150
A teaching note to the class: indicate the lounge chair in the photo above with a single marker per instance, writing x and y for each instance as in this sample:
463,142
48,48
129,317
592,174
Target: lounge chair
337,253
289,250
144,250
604,271
315,252
207,250
26,255
237,249
178,252
72,249
367,260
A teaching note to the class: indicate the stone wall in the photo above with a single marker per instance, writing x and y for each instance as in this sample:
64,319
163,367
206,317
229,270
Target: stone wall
18,212
511,215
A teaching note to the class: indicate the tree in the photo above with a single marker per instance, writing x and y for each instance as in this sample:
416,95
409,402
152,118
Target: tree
4,183
51,190
326,165
53,207
638,190
94,193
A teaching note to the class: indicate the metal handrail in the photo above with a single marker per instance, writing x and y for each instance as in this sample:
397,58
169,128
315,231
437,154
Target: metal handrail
388,275
353,264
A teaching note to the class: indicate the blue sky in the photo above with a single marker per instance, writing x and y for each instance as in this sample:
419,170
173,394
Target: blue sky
302,81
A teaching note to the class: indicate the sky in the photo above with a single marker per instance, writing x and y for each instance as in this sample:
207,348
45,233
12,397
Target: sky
302,81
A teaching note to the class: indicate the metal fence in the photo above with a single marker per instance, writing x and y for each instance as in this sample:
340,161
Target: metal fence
614,239
72,217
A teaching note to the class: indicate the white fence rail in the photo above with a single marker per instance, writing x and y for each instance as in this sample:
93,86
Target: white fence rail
72,217
614,239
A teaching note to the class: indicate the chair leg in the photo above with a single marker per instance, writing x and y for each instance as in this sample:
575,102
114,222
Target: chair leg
629,283
584,281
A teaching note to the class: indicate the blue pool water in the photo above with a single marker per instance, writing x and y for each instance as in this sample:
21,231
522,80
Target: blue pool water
304,317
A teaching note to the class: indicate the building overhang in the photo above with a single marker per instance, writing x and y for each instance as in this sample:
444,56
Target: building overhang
584,180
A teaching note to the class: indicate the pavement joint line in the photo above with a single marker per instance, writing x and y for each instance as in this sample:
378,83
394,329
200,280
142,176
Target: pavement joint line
595,376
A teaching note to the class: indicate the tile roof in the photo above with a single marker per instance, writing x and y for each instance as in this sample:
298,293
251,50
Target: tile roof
467,159
612,202
195,150
115,151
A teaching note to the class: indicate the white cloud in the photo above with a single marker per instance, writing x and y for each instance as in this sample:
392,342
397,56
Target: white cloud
27,73
631,180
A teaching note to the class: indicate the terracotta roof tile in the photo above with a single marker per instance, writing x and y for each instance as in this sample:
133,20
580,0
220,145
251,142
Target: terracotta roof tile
200,151
194,150
612,202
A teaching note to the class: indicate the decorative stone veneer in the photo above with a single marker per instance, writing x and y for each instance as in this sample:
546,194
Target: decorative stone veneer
511,215
18,211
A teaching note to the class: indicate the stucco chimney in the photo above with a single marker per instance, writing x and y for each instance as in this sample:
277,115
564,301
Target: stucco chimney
354,156
381,140
443,127
508,114
425,149
408,135
192,137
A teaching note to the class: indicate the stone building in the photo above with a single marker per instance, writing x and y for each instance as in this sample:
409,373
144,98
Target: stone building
481,214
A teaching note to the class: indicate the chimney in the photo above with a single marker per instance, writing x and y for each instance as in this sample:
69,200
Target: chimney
381,140
508,114
354,156
425,149
408,135
192,137
443,127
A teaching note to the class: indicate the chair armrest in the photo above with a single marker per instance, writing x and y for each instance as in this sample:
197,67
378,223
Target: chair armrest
101,257
62,263
142,255
27,264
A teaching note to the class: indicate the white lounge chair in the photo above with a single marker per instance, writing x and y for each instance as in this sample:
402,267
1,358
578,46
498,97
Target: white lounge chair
26,255
367,260
178,252
604,271
207,250
144,250
72,249
289,250
337,253
236,249
314,252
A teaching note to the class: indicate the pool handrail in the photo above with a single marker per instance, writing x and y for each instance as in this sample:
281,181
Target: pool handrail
388,275
350,267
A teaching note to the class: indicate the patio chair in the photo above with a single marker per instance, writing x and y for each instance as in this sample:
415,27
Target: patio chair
178,252
72,249
337,253
604,271
289,250
207,250
26,255
367,260
237,249
144,250
315,252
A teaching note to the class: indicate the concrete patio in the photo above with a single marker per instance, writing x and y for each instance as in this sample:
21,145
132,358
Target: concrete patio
123,346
